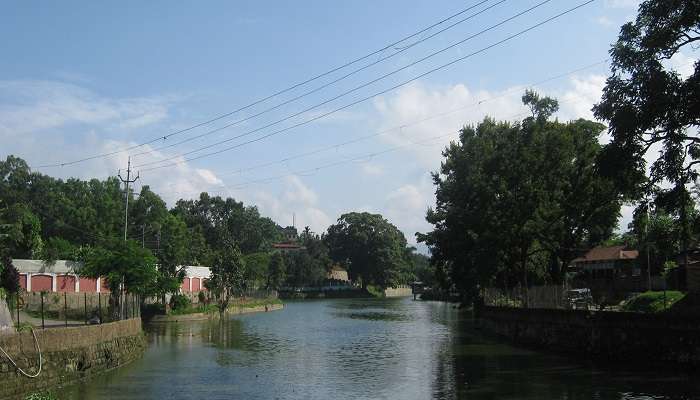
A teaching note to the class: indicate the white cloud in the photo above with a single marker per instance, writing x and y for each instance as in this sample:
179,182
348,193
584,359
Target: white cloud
604,21
683,64
31,106
294,198
622,3
578,101
372,169
405,207
417,102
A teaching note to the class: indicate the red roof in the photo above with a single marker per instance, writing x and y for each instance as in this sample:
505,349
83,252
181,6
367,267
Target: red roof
611,253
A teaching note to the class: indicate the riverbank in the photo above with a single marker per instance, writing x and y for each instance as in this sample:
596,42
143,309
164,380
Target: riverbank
656,340
233,310
67,354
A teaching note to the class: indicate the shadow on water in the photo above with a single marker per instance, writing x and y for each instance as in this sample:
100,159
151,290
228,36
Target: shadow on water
361,349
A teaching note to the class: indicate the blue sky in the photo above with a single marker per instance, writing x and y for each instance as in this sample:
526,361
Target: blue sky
84,78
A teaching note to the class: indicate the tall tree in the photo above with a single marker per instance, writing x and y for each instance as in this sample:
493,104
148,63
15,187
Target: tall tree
516,202
648,103
370,247
227,275
277,272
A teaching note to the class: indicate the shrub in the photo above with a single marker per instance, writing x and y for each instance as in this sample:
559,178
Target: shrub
180,302
651,302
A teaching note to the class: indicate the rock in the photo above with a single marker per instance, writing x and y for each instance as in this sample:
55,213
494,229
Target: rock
6,324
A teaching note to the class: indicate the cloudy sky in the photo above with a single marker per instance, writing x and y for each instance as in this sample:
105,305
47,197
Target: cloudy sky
82,79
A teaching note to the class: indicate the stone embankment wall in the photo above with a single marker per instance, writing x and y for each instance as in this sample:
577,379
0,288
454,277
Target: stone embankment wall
233,310
69,354
401,291
653,339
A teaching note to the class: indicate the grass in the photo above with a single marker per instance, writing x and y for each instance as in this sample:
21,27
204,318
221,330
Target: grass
41,396
213,308
375,291
652,302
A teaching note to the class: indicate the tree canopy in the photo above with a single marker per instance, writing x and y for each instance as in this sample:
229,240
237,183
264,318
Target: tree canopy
515,202
372,249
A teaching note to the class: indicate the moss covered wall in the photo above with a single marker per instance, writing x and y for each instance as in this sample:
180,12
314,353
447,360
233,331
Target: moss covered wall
653,339
69,354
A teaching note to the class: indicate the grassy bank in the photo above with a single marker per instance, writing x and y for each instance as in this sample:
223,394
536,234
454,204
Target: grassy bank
652,302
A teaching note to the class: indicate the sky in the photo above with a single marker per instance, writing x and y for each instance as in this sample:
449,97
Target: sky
84,79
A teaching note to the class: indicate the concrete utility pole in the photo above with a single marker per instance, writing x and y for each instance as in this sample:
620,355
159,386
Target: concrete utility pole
126,182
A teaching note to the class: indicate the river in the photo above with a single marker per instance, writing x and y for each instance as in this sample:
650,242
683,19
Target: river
360,349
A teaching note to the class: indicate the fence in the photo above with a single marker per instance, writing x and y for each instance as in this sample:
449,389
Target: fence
70,309
550,296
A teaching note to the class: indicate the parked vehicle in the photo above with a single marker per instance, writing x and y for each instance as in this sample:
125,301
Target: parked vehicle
579,298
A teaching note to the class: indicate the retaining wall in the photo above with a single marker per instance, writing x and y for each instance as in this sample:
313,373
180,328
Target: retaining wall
69,354
653,339
401,291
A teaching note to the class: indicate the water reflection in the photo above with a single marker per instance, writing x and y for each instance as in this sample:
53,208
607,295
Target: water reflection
360,349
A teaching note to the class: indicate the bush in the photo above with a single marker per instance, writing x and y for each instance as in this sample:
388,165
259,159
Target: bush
180,302
652,302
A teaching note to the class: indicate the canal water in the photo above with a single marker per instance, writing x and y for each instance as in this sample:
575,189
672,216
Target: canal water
361,349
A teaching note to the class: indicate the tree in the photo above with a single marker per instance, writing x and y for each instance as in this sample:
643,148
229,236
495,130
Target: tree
9,276
372,249
257,265
21,231
516,202
172,255
277,272
125,265
647,103
227,275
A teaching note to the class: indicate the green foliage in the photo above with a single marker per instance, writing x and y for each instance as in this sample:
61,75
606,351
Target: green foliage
9,276
57,249
257,265
515,203
227,275
373,250
21,231
277,271
41,396
647,103
652,302
122,262
180,302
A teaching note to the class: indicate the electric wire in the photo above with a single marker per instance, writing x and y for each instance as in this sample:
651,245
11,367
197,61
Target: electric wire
433,70
317,89
256,102
476,103
354,89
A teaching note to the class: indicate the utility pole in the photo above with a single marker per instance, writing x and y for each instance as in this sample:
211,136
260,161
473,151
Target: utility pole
646,234
126,182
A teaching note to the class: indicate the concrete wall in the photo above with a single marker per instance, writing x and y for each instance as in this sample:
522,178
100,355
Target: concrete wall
68,354
654,339
401,291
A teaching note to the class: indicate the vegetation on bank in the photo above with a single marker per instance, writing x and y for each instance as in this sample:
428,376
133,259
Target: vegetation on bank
652,302
516,202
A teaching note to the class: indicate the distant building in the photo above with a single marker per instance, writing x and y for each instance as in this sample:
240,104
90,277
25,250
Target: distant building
62,276
289,233
286,247
195,279
610,272
338,273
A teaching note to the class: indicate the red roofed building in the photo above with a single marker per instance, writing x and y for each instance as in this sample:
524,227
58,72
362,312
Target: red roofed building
614,265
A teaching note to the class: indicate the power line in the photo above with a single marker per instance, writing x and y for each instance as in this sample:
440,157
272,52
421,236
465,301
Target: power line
319,88
443,66
356,88
256,102
416,122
